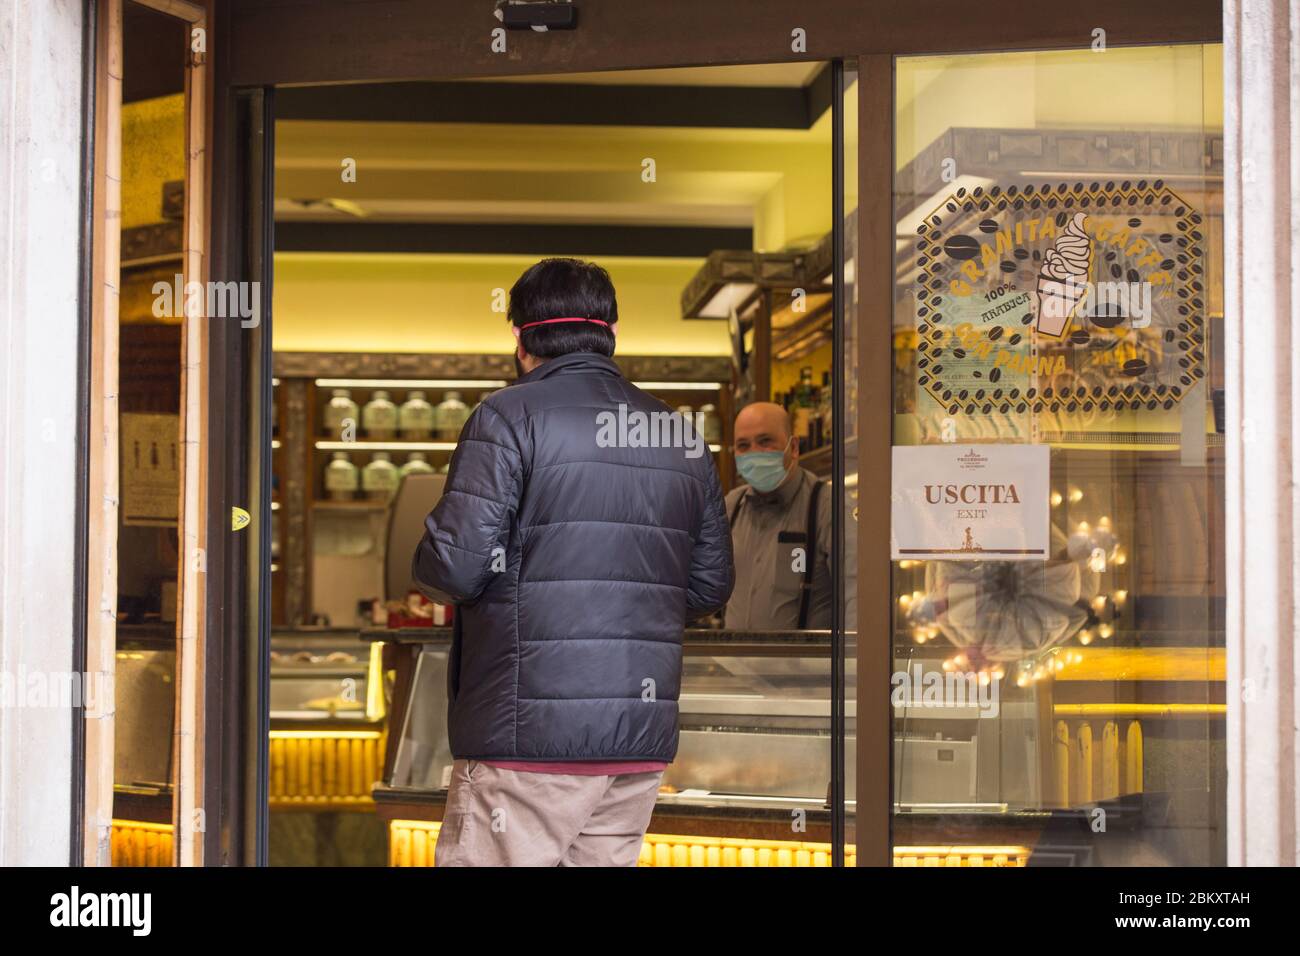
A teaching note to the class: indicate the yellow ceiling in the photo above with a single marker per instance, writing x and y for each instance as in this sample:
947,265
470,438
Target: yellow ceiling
444,303
776,180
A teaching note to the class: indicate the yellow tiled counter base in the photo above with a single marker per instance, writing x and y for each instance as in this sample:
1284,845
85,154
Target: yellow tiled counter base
132,843
325,769
411,843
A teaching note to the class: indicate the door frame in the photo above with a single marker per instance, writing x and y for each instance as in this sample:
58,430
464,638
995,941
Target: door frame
94,728
260,45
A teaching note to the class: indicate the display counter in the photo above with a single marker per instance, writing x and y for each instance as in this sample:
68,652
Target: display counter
979,785
751,775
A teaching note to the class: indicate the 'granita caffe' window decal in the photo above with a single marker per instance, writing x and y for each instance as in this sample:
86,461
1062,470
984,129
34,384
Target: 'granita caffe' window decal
1060,298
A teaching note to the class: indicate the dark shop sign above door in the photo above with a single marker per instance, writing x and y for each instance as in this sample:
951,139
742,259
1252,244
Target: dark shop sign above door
1060,297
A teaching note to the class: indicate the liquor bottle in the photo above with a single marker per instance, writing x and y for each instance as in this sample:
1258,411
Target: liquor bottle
825,410
801,408
710,423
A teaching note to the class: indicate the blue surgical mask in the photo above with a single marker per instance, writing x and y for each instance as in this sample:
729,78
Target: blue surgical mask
764,470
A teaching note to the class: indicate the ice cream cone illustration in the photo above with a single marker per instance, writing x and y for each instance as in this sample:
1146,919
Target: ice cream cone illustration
1063,278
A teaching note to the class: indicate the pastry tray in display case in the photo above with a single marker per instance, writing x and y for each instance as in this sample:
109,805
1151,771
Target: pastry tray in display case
318,674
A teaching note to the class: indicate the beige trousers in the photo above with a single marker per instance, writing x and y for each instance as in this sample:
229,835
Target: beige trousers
497,817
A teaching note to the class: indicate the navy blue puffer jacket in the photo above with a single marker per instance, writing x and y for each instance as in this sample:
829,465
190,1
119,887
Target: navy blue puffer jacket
575,564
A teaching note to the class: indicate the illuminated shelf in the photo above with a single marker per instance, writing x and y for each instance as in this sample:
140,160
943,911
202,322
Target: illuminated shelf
329,504
452,383
679,386
385,446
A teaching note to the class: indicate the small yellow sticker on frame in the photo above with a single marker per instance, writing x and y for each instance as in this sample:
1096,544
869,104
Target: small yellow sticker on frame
239,519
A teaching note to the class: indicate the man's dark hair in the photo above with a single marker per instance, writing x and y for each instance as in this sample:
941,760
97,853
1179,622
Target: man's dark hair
564,289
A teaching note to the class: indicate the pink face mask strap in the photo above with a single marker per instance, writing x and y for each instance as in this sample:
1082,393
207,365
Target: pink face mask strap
566,319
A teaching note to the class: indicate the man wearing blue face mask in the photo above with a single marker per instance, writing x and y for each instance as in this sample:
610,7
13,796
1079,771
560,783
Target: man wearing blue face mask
780,529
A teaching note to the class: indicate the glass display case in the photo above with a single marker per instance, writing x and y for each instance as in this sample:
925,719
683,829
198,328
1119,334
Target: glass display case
319,675
750,777
327,727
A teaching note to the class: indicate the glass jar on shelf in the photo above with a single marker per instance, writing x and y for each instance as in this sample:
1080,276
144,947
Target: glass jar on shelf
379,477
341,477
415,418
379,417
450,417
340,410
416,464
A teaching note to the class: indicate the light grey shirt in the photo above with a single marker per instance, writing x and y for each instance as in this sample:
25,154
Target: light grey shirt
765,533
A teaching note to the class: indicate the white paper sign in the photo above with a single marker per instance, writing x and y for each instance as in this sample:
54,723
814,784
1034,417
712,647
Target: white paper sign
150,476
971,502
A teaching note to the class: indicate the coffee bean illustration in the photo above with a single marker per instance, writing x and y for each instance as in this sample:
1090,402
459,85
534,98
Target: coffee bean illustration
995,333
988,225
1080,337
1135,222
995,375
1007,266
1135,367
1014,340
1108,316
961,247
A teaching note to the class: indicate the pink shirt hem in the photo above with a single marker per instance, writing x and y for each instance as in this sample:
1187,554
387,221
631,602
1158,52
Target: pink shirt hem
584,767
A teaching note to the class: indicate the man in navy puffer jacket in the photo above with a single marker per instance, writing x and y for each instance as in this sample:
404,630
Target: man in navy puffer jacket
581,528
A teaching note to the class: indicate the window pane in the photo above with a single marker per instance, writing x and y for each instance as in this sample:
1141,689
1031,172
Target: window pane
1058,475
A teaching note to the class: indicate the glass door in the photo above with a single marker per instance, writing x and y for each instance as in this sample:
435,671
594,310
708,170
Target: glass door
1057,497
